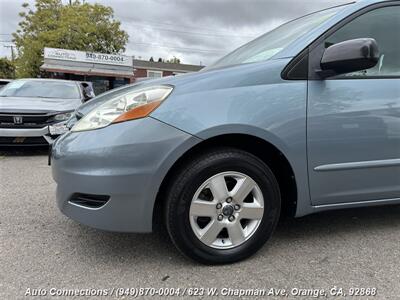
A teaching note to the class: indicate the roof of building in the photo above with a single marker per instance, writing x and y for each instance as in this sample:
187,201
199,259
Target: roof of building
155,65
45,80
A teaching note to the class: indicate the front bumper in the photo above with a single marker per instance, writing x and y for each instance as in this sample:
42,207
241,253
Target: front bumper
125,162
31,136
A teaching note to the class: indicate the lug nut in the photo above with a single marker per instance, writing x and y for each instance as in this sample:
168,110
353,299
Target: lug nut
219,205
220,217
237,207
229,200
231,218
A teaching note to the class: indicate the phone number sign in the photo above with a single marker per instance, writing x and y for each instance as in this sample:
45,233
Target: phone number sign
82,56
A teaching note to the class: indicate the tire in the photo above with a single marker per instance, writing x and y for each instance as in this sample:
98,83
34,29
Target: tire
203,173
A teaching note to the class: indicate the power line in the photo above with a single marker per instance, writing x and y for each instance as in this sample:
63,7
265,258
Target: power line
224,33
207,34
180,48
164,46
200,33
167,47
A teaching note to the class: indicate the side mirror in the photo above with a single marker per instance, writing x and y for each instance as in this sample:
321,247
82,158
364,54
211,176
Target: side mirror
87,93
349,56
87,97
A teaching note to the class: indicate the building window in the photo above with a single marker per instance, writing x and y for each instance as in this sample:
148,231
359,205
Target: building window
154,74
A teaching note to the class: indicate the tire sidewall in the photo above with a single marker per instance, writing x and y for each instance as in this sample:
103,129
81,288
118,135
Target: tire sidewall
196,174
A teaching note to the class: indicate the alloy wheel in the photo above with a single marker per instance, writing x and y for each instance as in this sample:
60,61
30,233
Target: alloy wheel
226,210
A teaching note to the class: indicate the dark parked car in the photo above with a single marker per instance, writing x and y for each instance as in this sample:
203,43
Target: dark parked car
35,111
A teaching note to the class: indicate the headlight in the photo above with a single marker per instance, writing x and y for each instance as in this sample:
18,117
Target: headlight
132,105
63,116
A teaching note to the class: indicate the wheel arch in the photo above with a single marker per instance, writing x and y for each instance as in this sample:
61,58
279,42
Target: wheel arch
264,150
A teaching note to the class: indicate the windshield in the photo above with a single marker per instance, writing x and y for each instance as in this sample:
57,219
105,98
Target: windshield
41,89
269,44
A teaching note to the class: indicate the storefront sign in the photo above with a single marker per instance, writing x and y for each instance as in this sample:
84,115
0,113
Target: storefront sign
90,57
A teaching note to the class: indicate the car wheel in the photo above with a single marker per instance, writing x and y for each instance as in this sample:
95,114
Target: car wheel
222,206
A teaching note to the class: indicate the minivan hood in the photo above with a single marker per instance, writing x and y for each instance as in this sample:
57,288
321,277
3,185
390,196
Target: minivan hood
233,76
226,77
37,105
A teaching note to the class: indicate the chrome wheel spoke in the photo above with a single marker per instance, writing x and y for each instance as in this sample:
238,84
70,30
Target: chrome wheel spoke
251,211
201,208
242,189
218,188
209,234
236,233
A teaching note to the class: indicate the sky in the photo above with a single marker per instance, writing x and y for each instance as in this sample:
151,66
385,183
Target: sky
195,31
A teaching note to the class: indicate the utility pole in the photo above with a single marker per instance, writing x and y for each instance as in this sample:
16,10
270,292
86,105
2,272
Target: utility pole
12,55
12,51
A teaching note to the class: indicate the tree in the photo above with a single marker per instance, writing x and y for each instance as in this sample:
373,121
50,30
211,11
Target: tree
79,26
7,68
174,60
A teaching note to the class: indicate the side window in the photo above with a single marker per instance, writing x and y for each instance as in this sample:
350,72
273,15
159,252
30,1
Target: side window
382,24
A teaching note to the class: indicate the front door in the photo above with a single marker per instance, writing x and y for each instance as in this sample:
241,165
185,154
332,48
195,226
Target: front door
354,119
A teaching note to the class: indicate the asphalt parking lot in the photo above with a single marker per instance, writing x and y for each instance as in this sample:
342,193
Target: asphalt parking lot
41,248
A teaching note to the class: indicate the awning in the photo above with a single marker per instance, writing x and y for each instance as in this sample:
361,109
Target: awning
86,70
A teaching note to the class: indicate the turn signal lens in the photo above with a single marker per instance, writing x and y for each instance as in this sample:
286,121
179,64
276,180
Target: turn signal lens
138,112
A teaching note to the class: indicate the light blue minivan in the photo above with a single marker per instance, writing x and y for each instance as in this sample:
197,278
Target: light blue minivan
304,119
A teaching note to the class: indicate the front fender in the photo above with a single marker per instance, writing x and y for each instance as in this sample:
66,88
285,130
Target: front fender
273,112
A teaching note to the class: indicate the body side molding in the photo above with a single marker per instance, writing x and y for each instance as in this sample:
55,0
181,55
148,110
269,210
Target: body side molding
359,165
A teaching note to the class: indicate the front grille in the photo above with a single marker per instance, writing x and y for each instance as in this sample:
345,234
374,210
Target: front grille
28,141
22,126
90,201
31,120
